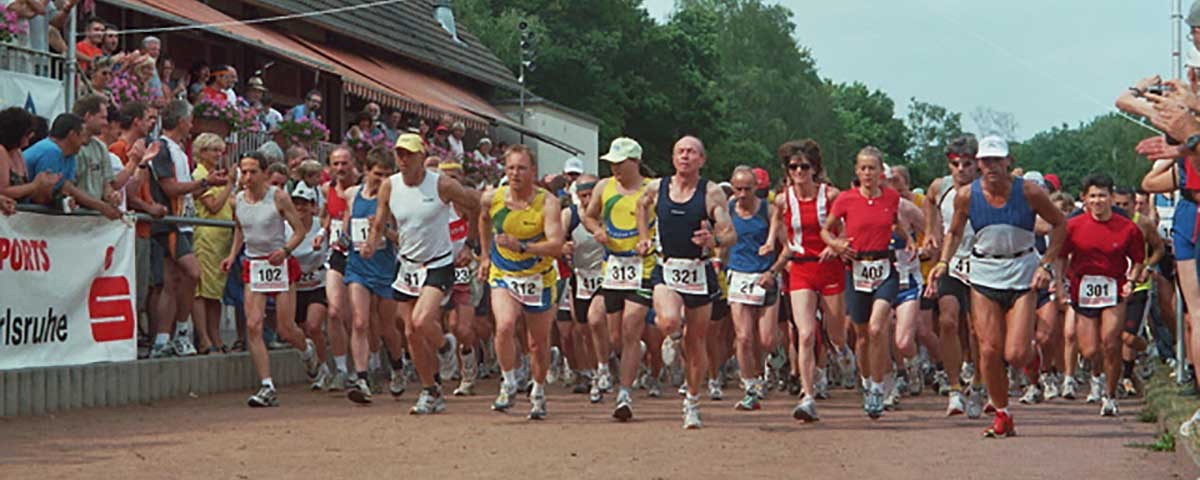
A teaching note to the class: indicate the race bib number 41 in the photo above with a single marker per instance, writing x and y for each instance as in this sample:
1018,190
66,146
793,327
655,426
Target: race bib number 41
623,273
870,274
410,279
685,275
744,289
268,278
1097,291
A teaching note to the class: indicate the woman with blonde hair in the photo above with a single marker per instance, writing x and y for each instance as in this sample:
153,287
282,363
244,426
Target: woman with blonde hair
211,245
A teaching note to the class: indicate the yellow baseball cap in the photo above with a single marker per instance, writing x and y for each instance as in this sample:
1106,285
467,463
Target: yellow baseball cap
411,142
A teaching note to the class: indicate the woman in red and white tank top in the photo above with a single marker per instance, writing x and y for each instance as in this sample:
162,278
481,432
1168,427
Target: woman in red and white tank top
814,272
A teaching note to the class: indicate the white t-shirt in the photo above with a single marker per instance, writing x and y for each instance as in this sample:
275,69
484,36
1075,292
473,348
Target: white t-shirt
182,174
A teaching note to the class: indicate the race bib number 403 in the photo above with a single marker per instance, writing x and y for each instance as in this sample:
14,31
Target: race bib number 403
268,278
1097,291
870,274
623,273
685,275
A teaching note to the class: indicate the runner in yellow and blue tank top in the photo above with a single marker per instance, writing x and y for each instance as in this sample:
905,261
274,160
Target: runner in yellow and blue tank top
612,219
521,228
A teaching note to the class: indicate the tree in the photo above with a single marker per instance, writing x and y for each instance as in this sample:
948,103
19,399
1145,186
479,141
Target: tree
868,118
931,128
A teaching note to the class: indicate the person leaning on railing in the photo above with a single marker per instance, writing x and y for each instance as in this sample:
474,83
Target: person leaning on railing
56,155
16,132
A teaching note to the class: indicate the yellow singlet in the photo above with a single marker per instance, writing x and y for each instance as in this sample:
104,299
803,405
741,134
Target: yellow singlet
526,225
620,223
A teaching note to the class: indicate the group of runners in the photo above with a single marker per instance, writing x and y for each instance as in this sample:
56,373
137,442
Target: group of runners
618,284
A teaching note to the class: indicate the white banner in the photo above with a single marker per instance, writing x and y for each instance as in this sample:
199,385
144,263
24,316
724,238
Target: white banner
40,95
67,291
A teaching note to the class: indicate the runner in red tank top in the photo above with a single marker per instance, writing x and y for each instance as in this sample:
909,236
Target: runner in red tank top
342,165
814,272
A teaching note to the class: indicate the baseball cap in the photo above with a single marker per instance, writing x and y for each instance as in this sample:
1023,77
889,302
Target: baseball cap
992,146
303,191
762,179
1053,180
1035,177
410,142
440,129
256,83
623,148
573,165
1193,18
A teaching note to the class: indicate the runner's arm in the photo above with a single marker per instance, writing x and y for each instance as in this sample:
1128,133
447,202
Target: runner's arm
287,209
912,219
778,222
724,235
485,234
383,212
1158,249
590,218
933,215
840,246
644,205
1136,251
1161,178
953,237
236,246
1040,202
453,192
772,228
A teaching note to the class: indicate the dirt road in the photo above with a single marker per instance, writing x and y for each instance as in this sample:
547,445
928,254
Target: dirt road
317,435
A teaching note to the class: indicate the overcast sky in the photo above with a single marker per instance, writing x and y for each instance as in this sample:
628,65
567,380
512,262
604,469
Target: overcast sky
1045,61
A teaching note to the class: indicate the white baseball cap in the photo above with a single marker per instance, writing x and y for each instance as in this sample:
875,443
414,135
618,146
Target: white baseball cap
992,146
1035,176
621,149
573,165
302,190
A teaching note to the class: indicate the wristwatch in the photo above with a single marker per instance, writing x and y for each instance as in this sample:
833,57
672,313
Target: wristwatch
1048,268
1192,142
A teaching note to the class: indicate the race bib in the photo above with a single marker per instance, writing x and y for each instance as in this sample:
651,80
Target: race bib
410,279
1097,291
870,274
527,290
336,229
685,276
462,276
564,302
587,282
960,268
623,273
359,228
312,280
744,289
265,277
909,268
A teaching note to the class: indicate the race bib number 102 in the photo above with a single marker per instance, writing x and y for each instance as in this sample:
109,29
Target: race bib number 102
268,278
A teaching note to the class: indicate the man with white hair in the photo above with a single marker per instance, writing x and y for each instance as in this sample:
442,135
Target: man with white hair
457,131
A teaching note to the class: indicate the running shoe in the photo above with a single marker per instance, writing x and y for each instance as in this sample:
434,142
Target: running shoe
604,380
537,410
1097,389
360,393
691,415
264,398
162,350
848,369
714,389
975,401
428,403
820,386
504,400
470,373
873,402
624,410
397,383
1068,388
1188,428
1016,382
942,382
749,402
448,361
1002,426
595,395
683,389
1108,407
1033,394
806,410
323,378
958,404
968,374
466,388
988,408
670,352
653,387
555,370
338,382
184,347
795,386
759,389
914,377
1128,387
568,374
1049,386
582,383
892,398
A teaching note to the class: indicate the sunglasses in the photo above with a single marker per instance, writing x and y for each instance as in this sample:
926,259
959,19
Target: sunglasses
799,166
959,164
743,189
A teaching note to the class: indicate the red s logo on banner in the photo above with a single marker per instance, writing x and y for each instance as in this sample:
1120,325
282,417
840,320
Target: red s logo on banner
110,306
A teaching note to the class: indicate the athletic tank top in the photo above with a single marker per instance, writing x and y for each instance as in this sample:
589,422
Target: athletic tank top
526,225
804,221
620,222
459,229
380,269
420,213
589,254
312,261
262,225
751,235
680,220
1005,232
960,266
335,205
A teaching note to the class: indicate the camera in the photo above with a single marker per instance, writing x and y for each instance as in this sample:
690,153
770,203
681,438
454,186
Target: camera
1159,89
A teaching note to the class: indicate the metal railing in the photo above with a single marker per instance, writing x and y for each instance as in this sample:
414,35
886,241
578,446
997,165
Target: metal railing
241,142
16,58
141,217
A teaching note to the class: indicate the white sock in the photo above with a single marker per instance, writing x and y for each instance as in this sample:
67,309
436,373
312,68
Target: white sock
183,329
266,382
340,361
602,368
510,377
539,390
162,339
691,400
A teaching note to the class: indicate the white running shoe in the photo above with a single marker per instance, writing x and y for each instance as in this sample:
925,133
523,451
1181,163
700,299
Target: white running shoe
683,389
397,383
555,370
448,362
913,372
162,350
670,353
821,386
1108,407
311,363
604,381
653,387
1097,389
624,410
537,410
428,404
595,395
1188,428
1049,386
942,381
360,393
466,388
957,405
967,375
184,347
1068,388
1032,395
848,369
806,410
504,400
340,381
324,377
714,389
691,416
264,398
892,399
975,401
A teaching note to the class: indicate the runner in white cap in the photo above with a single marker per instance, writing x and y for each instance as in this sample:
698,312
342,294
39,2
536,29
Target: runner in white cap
311,306
269,269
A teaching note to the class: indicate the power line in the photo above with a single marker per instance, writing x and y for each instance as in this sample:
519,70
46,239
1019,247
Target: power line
290,16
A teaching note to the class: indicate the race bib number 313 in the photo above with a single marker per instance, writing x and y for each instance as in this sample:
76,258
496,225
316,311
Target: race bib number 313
265,277
623,273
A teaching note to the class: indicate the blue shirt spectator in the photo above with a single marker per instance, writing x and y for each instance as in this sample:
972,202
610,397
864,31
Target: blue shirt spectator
48,156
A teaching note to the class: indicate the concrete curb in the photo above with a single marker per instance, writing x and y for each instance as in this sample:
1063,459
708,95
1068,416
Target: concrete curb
38,391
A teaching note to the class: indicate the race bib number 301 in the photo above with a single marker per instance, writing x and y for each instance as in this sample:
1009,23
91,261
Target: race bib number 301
268,278
870,274
744,289
1097,291
623,273
685,275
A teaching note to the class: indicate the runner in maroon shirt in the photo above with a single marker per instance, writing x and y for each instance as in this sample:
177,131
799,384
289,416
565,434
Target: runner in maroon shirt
1101,247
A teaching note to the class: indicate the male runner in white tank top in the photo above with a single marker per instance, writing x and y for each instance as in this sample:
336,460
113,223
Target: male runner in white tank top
268,270
418,201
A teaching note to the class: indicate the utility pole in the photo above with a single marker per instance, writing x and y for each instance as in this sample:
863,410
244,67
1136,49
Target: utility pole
1177,72
72,64
527,55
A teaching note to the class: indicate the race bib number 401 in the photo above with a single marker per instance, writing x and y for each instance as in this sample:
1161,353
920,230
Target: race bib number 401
870,274
1097,291
744,289
268,278
623,273
685,275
